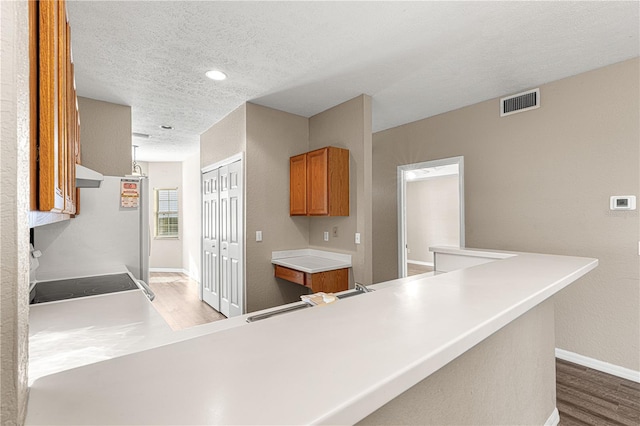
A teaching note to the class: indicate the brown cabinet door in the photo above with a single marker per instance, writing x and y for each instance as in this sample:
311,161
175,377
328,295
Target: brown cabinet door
54,111
51,156
64,114
329,281
33,101
69,107
298,185
318,182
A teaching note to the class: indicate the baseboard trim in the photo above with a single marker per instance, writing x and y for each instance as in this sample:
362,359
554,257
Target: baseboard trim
178,270
605,367
419,262
553,419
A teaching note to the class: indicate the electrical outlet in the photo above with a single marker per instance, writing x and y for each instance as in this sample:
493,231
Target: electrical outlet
335,232
326,235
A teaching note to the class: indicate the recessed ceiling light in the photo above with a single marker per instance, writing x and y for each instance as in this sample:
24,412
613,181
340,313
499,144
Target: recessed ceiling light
165,127
216,75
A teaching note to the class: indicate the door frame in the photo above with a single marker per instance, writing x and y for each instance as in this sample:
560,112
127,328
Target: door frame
242,239
402,207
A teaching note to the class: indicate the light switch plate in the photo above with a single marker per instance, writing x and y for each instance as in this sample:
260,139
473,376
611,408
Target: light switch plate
357,238
326,235
258,236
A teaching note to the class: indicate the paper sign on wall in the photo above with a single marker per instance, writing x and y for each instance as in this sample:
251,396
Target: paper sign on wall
129,193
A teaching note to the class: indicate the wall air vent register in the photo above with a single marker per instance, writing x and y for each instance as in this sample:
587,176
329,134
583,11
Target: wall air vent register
520,102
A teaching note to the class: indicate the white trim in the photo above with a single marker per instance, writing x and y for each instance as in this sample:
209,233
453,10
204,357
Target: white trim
179,270
419,262
553,419
311,252
605,367
402,186
239,156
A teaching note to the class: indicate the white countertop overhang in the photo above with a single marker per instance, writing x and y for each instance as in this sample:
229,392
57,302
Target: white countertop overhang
311,260
275,371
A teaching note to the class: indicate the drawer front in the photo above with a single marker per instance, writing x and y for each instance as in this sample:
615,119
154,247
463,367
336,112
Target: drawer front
289,274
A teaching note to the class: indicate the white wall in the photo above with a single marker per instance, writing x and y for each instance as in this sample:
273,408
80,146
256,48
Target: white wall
165,253
191,233
433,216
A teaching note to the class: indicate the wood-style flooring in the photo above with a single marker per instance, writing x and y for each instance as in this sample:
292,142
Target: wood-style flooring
415,269
589,397
583,396
178,302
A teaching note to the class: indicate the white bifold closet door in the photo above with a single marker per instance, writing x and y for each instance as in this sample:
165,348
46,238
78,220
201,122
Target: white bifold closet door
222,239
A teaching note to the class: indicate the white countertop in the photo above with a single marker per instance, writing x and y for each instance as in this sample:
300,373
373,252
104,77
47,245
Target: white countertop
310,260
75,332
71,333
491,254
275,371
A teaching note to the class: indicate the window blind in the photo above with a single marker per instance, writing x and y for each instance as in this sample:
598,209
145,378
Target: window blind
167,212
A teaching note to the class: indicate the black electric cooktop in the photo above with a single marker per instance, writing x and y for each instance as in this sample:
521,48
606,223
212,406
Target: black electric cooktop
49,291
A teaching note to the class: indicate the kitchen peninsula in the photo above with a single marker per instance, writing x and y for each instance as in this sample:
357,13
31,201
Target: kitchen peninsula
405,353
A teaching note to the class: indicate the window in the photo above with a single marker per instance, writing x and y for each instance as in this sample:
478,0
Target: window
166,213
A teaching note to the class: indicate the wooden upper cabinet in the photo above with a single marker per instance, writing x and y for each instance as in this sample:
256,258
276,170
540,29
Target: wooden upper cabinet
319,183
54,112
298,185
51,187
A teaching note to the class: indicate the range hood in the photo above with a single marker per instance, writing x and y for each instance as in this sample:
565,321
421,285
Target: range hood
87,178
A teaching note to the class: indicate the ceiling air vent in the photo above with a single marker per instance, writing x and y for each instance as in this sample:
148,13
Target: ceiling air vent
520,102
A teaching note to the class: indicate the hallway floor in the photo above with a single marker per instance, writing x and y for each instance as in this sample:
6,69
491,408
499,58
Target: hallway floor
178,302
415,269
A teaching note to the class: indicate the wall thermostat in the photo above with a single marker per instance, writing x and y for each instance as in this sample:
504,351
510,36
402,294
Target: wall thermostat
623,202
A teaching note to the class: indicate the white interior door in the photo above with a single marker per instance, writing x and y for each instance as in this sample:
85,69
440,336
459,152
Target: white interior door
223,239
210,243
225,266
234,240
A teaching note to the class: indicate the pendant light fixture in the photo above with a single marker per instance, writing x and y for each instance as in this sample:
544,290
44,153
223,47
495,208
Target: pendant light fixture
136,169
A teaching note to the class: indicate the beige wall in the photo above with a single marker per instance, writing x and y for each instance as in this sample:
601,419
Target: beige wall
165,252
105,136
272,137
516,384
225,138
433,216
540,181
191,223
348,125
269,137
14,207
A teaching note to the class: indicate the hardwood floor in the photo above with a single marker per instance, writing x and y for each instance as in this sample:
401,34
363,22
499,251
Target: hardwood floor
178,302
589,397
415,269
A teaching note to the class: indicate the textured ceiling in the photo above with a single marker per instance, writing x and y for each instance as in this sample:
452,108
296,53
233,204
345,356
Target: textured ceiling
416,59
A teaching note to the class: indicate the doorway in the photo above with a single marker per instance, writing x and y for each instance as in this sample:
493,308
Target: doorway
223,283
430,211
